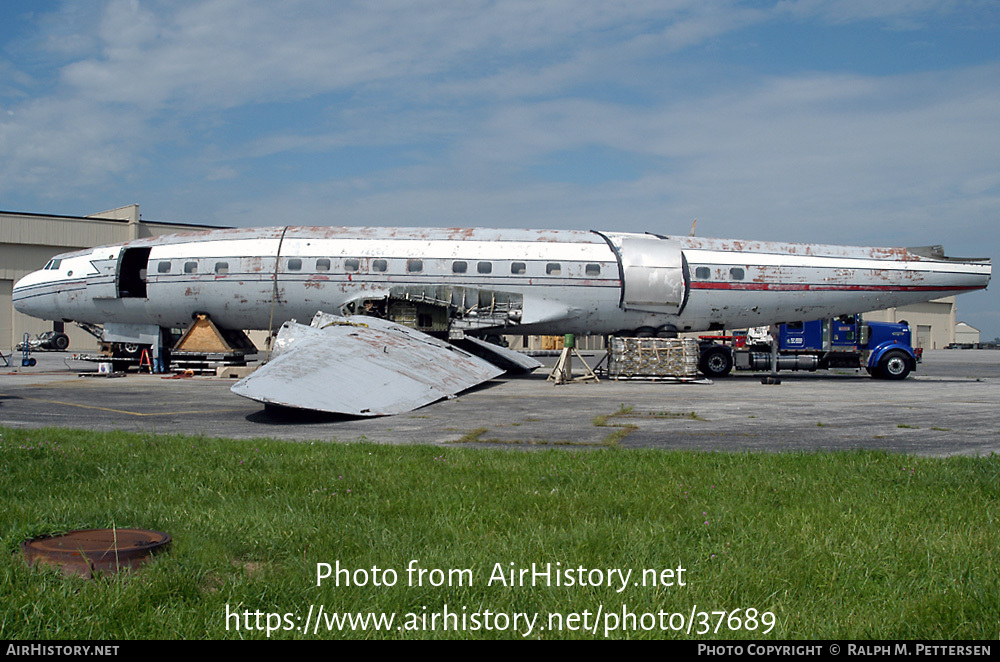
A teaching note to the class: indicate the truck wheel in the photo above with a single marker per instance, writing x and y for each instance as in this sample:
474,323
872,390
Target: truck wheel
716,362
894,365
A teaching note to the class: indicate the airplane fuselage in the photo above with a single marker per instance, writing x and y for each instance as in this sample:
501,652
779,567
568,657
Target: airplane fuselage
514,281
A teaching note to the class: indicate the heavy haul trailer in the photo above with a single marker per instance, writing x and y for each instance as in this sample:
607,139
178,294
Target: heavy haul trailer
881,348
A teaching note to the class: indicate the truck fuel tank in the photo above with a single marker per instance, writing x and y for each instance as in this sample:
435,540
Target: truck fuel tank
762,361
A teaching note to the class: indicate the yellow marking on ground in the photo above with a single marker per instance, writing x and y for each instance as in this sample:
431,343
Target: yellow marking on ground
123,411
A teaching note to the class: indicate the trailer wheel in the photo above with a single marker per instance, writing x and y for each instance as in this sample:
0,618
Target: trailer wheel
126,350
716,362
894,365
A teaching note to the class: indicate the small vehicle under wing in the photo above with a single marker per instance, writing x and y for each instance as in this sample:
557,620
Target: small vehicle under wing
361,366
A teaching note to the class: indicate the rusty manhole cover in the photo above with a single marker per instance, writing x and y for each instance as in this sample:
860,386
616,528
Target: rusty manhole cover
92,551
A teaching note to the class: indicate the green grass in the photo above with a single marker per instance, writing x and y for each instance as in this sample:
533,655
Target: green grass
852,545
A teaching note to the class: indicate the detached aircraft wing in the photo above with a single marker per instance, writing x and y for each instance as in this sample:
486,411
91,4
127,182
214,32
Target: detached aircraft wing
501,357
361,366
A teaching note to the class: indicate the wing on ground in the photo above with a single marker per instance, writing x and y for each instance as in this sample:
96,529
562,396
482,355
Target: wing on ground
361,366
505,358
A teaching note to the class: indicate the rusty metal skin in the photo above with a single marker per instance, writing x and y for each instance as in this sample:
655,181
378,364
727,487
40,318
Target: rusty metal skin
89,552
568,281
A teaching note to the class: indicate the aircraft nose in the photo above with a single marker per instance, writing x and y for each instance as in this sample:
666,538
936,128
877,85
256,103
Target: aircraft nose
27,295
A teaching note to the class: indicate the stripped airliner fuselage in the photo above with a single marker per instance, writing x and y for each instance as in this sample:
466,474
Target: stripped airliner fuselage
484,280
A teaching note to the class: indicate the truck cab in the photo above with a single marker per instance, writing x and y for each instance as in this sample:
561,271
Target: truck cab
883,349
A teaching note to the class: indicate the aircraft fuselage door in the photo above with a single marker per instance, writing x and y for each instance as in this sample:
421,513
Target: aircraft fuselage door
102,283
653,274
132,272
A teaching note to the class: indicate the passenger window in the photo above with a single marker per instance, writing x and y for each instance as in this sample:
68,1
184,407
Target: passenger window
163,267
414,266
593,270
459,267
190,267
736,273
295,264
485,267
379,265
222,268
322,264
553,268
517,268
702,272
351,264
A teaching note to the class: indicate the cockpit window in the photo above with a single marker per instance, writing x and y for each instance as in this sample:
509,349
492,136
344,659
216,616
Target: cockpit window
53,264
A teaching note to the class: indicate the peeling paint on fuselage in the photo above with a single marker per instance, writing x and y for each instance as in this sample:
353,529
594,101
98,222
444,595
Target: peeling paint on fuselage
569,281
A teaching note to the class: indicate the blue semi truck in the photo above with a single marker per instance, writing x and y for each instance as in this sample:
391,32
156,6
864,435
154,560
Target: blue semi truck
881,348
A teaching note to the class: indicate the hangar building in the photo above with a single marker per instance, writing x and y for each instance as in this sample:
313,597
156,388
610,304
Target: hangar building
27,241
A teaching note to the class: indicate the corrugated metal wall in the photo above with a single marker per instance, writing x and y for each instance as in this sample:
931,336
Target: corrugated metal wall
27,241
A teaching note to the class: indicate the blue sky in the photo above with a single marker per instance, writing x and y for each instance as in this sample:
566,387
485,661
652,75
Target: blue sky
842,121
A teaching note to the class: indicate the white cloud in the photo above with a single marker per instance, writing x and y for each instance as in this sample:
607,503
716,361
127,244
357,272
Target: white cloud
896,14
478,93
222,173
135,76
844,158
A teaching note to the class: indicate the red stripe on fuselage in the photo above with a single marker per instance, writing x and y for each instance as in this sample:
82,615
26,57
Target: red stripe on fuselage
806,287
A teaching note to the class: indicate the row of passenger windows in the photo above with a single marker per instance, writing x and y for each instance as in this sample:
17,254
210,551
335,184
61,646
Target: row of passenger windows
704,273
413,266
